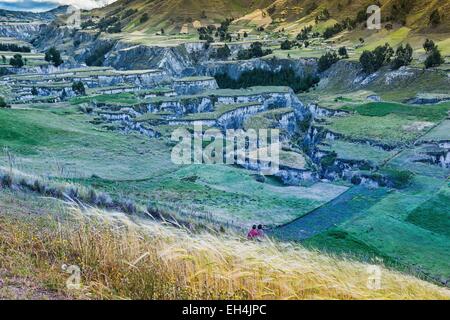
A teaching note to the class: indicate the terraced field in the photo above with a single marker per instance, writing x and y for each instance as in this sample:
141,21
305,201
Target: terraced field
363,163
397,225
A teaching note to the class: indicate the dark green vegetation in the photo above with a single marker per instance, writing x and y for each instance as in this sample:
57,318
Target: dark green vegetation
432,211
258,77
255,51
54,56
222,53
434,57
17,61
327,60
403,56
380,109
78,88
14,47
3,103
372,61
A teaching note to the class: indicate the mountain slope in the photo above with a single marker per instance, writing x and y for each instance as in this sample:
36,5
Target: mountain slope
414,14
286,14
26,16
172,14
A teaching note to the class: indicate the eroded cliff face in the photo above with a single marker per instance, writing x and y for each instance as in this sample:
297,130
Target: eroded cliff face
176,60
50,35
22,31
347,75
179,60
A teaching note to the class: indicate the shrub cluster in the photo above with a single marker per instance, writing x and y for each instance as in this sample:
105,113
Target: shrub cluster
17,61
327,60
3,103
258,77
434,56
67,192
222,53
403,56
54,56
372,61
14,47
255,51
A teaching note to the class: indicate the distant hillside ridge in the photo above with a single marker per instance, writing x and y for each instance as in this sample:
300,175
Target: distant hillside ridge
418,15
26,16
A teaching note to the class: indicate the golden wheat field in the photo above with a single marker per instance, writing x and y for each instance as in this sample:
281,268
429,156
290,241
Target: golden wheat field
124,259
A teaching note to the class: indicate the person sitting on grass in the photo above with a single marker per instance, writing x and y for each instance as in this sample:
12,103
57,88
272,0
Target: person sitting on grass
253,233
260,231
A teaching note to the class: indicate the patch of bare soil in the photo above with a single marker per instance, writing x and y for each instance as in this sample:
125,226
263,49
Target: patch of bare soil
22,288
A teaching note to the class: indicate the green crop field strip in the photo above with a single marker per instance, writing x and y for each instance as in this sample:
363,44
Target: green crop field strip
356,151
391,129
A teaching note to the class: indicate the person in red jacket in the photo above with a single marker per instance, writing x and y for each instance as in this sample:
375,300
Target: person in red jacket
253,233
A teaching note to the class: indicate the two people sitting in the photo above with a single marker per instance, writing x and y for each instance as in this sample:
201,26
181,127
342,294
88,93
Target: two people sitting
256,232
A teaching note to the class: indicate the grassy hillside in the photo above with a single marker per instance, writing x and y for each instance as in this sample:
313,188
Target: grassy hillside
173,14
402,21
59,142
122,258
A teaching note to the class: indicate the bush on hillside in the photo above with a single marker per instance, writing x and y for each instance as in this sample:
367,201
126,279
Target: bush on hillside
434,58
17,61
399,178
372,61
435,18
115,28
78,88
428,45
328,160
303,35
107,22
255,51
206,33
128,13
400,10
3,103
327,60
343,52
144,18
54,56
222,53
403,56
287,45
